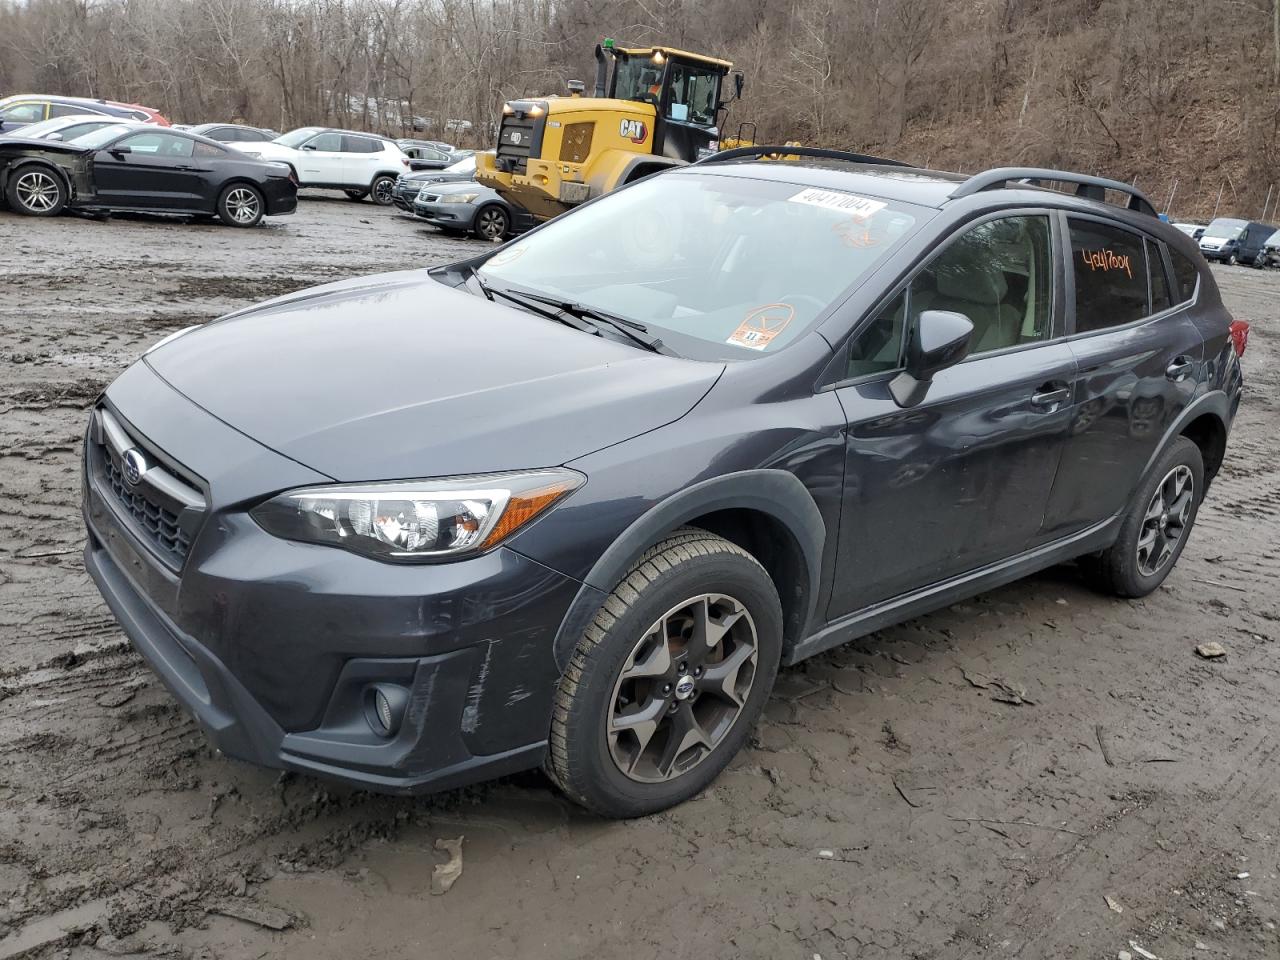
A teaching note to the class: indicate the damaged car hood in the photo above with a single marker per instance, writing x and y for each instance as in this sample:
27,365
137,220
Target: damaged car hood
400,376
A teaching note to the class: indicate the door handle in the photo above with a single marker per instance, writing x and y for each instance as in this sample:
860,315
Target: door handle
1050,397
1179,369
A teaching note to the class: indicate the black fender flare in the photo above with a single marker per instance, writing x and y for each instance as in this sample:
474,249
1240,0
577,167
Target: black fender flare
1215,402
647,160
777,493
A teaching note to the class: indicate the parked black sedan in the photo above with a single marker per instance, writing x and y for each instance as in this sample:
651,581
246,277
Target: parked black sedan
125,168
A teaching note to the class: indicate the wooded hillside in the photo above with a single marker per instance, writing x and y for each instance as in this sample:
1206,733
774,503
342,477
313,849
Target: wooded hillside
1156,91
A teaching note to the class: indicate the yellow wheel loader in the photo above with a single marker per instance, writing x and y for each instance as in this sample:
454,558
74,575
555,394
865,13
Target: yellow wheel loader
659,107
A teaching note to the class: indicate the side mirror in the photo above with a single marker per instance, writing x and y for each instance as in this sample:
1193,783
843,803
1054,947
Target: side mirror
737,85
120,151
940,340
54,136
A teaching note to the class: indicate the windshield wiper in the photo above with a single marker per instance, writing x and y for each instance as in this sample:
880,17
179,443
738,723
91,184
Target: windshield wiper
631,329
532,304
475,275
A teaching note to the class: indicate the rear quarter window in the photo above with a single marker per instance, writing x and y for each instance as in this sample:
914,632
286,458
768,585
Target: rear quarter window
1185,276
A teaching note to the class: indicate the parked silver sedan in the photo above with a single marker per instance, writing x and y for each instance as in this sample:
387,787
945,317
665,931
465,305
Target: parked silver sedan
470,208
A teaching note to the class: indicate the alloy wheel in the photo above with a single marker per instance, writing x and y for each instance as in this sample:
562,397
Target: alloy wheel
491,223
682,688
38,191
1165,522
383,190
242,205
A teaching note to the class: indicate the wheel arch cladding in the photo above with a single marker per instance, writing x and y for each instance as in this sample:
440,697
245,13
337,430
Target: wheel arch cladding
22,163
768,513
1205,422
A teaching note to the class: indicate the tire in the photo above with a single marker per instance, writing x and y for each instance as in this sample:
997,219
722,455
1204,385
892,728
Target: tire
702,705
36,191
241,205
1120,569
1232,260
491,223
356,195
382,189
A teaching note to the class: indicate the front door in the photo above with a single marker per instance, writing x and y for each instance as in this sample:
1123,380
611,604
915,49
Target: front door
322,160
961,480
1140,356
155,172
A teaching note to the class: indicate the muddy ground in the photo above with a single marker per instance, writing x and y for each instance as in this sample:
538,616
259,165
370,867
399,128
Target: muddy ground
890,805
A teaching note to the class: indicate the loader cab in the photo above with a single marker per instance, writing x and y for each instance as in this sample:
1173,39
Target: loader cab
684,90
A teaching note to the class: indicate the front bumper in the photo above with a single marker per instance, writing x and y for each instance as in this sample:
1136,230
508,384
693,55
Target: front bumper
272,645
451,216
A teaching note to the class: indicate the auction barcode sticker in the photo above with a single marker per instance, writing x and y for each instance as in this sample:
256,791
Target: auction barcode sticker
839,200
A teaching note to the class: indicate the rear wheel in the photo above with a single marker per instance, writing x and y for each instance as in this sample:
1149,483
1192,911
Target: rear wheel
36,191
356,194
241,205
669,678
383,189
1156,527
492,222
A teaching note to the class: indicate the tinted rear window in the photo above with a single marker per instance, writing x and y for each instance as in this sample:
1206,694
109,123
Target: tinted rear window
1110,275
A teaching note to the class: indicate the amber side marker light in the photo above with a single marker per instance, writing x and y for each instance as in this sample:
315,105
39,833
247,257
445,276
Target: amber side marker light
523,507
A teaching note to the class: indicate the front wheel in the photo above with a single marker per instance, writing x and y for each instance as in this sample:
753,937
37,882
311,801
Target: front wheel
669,679
492,222
1156,527
241,205
383,190
36,192
1232,260
356,195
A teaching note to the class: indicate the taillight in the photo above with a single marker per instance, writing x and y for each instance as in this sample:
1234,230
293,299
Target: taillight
1240,336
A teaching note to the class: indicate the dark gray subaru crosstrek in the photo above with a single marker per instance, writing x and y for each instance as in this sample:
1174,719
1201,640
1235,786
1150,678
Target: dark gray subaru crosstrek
573,502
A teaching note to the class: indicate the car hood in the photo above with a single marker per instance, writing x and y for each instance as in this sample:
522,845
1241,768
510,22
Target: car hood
20,143
399,376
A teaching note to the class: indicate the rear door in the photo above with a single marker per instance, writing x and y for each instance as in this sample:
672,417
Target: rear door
961,480
362,157
1140,356
158,172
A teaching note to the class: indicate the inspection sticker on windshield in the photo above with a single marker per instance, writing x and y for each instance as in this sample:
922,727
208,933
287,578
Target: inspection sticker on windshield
838,200
761,325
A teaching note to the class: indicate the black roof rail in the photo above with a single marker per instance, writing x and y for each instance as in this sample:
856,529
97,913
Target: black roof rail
1091,188
783,150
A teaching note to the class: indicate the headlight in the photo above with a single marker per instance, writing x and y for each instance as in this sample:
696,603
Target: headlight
458,197
417,520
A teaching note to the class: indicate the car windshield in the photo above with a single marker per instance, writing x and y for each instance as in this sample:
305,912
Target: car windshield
1224,228
295,138
100,137
1273,240
718,266
465,165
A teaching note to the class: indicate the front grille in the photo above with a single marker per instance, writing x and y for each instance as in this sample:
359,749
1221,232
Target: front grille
159,523
164,507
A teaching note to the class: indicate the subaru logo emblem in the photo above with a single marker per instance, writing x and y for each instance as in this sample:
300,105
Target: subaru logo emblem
134,465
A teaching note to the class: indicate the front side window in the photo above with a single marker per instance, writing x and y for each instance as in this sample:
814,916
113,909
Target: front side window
77,130
158,144
718,266
326,143
999,274
693,94
638,78
1111,277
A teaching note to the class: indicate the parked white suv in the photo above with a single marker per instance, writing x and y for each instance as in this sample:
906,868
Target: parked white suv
360,164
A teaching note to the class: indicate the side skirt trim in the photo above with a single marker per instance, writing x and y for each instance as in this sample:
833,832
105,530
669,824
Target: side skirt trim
938,595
